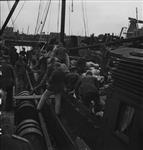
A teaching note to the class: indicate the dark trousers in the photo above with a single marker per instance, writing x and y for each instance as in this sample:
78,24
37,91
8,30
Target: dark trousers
9,98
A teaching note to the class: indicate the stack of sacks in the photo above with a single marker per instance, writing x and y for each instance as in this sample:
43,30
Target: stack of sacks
92,64
95,71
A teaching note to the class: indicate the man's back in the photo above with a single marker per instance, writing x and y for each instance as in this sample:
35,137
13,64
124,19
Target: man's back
6,75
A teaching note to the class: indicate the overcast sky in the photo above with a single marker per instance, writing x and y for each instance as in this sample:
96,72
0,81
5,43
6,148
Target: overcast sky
103,16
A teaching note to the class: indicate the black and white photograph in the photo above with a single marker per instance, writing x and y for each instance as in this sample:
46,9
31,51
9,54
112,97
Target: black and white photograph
71,74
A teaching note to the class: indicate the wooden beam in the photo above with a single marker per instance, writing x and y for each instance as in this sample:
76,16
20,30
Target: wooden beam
9,16
45,133
28,97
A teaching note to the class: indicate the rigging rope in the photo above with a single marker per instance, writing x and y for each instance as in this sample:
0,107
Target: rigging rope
69,20
48,8
49,21
41,13
84,21
43,16
20,11
9,7
72,6
38,17
13,23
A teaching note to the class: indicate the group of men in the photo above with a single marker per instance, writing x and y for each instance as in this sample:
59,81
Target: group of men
57,74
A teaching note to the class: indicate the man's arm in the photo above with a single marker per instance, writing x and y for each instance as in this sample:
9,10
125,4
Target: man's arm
77,85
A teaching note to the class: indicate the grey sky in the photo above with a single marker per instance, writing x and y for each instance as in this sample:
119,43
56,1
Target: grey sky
104,16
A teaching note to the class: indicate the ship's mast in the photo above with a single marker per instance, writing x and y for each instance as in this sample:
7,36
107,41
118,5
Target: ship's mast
0,15
62,33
